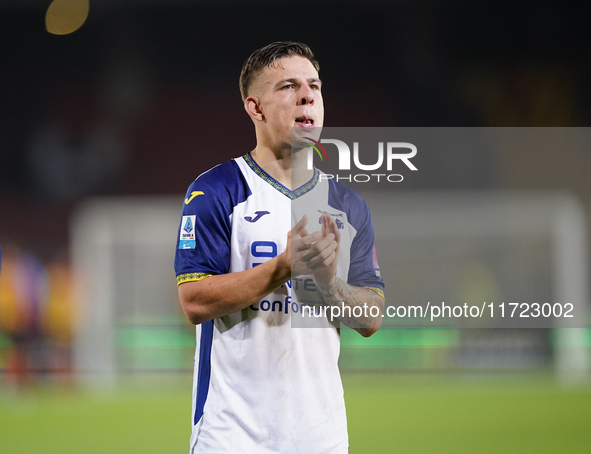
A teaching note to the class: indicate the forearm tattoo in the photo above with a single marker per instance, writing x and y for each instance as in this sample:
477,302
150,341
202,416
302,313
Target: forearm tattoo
361,308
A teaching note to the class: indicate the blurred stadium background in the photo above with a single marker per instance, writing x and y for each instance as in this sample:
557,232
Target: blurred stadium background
102,130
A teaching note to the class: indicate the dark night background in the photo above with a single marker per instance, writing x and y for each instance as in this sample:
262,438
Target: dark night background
144,97
150,90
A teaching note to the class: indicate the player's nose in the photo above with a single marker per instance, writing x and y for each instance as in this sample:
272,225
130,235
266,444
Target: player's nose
306,96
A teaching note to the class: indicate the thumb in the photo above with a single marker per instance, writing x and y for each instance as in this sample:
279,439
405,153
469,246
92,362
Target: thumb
297,229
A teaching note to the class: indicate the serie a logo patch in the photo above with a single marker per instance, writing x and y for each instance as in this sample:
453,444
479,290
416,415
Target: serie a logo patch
187,233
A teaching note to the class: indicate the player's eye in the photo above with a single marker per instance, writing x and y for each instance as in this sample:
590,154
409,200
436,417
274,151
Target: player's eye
285,87
315,87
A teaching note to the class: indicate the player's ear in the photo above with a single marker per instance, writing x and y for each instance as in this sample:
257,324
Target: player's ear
253,108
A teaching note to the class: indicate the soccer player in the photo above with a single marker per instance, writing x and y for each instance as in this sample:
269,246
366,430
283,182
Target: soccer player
258,243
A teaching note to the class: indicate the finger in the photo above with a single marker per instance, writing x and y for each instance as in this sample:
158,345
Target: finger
320,250
324,242
328,251
312,252
323,262
305,242
297,229
326,219
331,224
328,260
337,233
332,227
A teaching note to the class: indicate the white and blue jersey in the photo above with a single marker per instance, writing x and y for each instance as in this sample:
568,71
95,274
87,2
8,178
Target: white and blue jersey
260,385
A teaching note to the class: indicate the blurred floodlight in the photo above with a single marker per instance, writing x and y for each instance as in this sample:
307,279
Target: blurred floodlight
66,16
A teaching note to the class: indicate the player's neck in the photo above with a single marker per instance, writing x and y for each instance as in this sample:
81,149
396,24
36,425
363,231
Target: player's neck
287,168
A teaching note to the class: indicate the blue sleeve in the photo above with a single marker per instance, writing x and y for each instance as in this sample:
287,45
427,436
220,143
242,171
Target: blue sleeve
203,237
364,270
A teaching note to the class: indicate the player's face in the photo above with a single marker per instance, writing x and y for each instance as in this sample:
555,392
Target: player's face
290,97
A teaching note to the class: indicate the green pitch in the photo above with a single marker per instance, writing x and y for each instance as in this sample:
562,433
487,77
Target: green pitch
387,414
441,414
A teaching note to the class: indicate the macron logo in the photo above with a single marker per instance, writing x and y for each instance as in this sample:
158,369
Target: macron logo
259,214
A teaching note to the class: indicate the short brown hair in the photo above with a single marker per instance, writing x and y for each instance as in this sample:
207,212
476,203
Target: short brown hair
267,56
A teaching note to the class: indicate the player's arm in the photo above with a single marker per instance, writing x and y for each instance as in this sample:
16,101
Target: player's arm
224,294
336,292
339,293
220,295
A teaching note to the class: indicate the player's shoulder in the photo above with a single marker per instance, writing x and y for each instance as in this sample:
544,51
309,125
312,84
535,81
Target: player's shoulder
224,181
223,175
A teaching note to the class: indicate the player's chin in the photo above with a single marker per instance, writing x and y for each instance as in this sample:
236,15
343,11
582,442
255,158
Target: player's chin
297,144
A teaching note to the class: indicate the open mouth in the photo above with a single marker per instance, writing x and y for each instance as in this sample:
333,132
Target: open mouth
304,122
